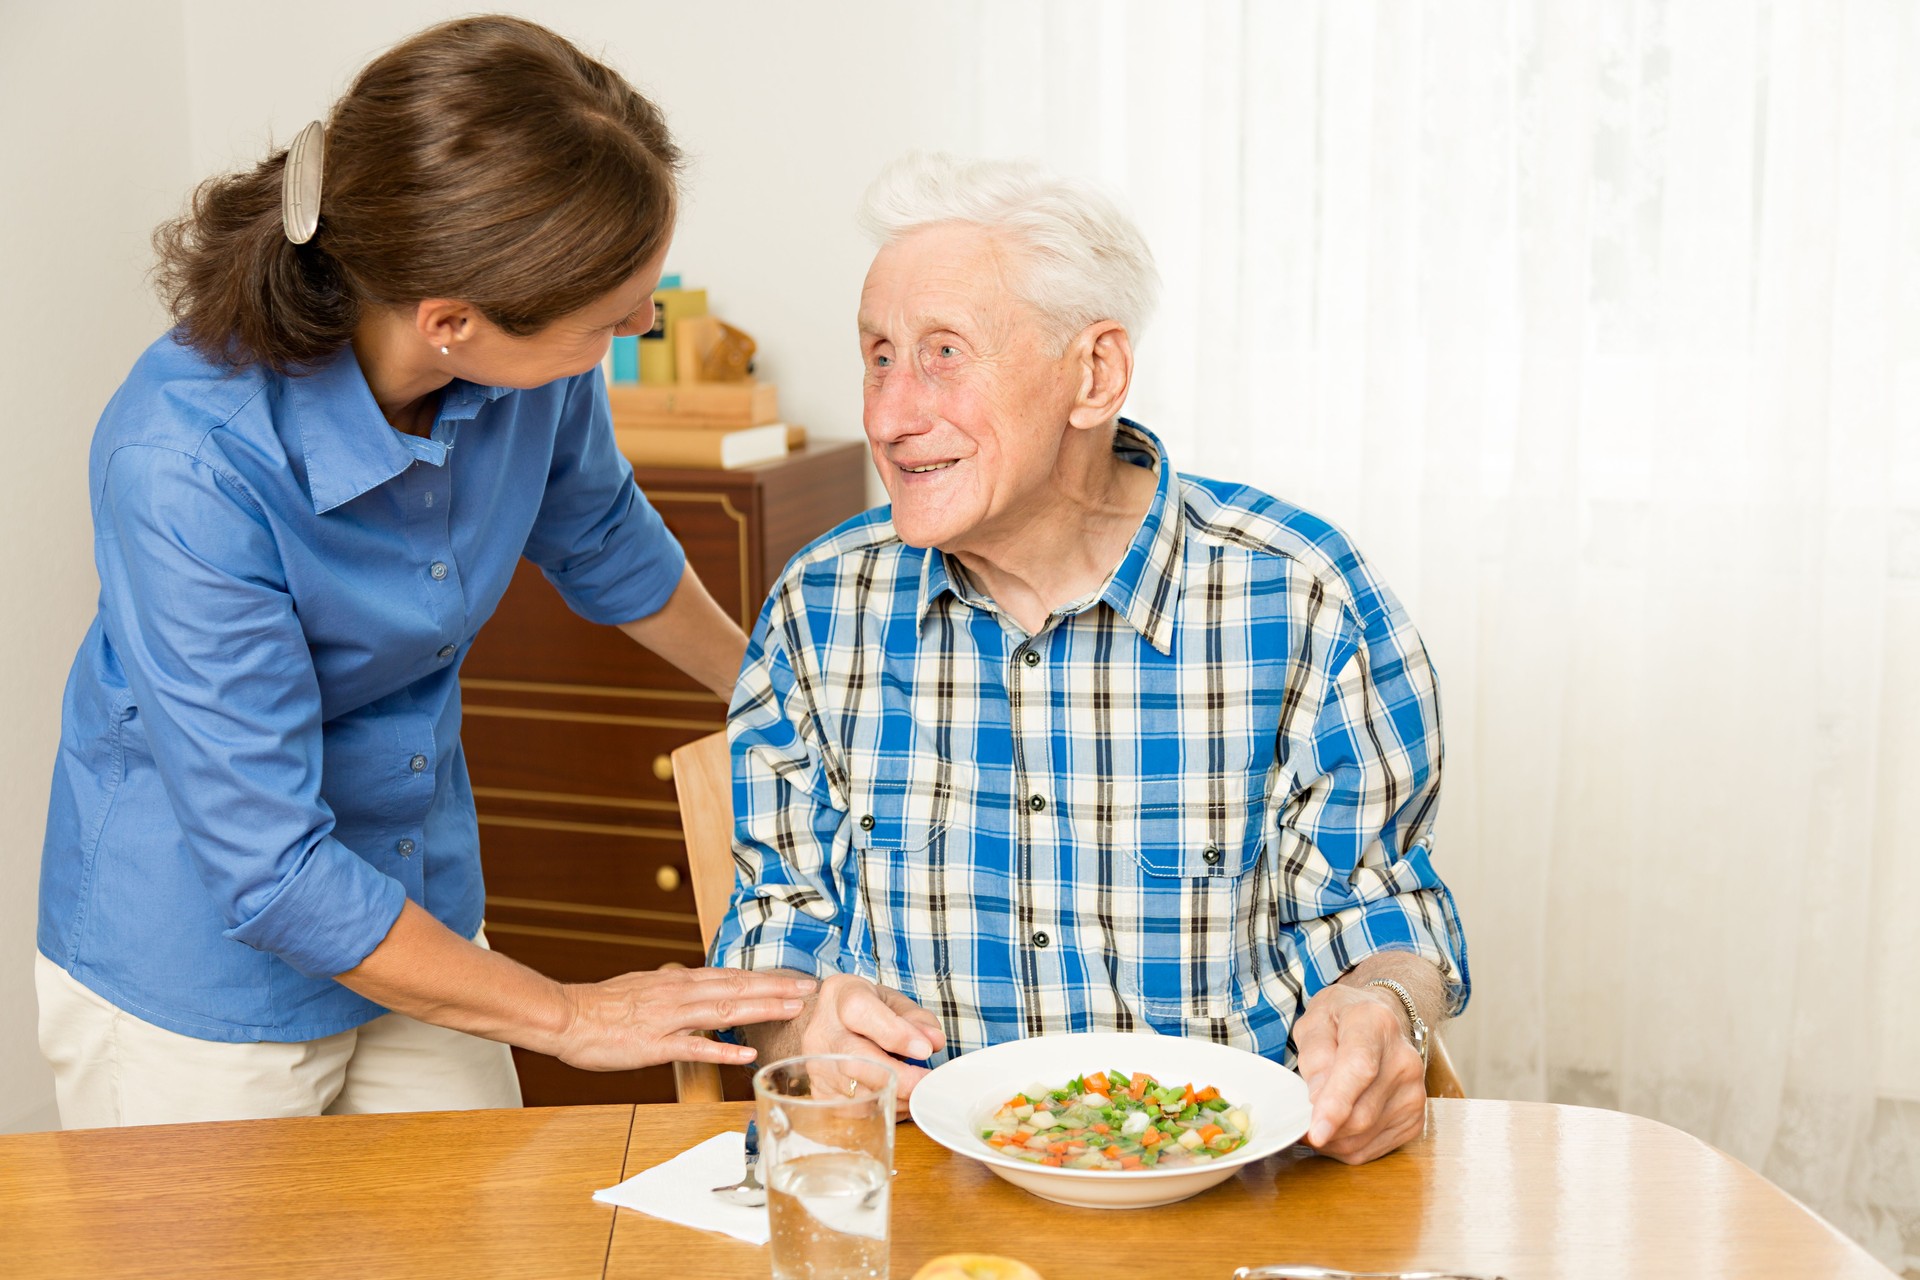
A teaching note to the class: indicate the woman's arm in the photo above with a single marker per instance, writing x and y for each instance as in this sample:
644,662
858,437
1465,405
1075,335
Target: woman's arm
695,635
426,971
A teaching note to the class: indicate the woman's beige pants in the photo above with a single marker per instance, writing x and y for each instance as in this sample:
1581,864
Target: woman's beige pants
110,1068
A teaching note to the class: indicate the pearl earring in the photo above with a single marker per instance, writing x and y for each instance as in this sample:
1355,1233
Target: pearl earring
444,351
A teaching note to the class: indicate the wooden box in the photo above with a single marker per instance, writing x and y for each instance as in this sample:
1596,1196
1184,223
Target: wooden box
568,729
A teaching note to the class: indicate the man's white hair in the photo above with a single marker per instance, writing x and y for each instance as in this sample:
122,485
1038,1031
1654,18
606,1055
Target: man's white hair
1082,259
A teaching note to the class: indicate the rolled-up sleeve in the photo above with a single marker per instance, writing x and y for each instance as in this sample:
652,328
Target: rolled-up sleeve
793,896
597,538
197,610
1356,835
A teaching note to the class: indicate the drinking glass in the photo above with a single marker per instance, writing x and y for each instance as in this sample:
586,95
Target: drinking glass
826,1156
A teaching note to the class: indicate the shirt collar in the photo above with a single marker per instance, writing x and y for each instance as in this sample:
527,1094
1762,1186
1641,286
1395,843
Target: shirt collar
1143,588
349,445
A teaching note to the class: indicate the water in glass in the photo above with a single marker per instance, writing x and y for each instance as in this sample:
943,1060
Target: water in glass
828,1213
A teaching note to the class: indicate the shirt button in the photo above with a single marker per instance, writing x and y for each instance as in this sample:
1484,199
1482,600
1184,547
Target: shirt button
406,848
1037,803
1212,856
438,569
1031,658
418,764
1040,939
866,822
446,651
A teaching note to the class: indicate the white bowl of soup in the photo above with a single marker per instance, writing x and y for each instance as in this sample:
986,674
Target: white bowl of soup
1112,1120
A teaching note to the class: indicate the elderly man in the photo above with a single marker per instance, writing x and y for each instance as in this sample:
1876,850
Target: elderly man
1063,740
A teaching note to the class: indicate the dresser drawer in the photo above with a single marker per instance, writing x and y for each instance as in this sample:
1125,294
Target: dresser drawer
568,754
624,873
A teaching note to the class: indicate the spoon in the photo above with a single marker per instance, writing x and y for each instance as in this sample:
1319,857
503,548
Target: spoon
748,1190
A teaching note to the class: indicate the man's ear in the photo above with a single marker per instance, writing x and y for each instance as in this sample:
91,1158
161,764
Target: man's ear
1103,357
444,322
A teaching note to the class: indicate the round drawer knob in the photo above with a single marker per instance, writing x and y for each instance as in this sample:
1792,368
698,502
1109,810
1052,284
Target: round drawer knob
668,878
663,768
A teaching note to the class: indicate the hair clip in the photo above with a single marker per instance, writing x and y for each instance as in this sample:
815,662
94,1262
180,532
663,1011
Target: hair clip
300,183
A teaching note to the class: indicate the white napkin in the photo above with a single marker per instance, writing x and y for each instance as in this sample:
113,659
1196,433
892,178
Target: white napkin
679,1190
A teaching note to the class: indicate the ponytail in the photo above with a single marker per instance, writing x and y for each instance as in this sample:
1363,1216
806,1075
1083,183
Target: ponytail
238,289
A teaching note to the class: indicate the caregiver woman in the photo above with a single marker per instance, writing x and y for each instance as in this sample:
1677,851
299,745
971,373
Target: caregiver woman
261,890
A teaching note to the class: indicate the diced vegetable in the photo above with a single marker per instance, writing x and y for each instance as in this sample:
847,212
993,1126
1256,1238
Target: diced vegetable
1115,1120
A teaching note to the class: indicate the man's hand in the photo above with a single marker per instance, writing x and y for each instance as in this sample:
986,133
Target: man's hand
1363,1075
641,1019
853,1015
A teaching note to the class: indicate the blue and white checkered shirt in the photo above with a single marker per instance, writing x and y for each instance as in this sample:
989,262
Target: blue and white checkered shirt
1191,801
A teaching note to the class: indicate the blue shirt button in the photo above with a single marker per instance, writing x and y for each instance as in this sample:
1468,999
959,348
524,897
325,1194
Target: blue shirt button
406,848
418,764
446,651
438,569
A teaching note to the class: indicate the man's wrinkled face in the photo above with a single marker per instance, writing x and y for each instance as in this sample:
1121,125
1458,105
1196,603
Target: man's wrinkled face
966,393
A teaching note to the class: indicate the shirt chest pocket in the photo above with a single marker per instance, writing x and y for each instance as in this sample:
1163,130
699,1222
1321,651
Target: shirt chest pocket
1197,880
906,889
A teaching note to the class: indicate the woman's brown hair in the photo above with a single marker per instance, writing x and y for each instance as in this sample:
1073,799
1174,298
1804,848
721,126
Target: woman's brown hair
486,159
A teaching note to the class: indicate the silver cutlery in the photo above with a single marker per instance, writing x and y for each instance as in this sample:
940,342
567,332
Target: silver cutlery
1334,1273
748,1190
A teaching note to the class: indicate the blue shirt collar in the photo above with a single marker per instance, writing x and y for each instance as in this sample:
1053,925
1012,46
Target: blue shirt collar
349,445
1144,588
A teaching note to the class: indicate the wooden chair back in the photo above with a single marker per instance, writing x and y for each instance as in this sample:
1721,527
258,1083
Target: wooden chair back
1442,1080
703,778
703,781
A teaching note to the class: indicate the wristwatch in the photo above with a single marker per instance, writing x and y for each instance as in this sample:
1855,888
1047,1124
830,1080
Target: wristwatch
1419,1033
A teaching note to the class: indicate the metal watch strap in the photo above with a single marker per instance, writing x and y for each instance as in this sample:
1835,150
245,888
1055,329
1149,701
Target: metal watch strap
1419,1033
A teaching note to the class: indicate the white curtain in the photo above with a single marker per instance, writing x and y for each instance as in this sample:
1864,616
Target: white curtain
1596,325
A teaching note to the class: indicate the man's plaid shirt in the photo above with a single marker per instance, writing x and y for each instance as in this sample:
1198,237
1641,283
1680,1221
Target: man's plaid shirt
1187,804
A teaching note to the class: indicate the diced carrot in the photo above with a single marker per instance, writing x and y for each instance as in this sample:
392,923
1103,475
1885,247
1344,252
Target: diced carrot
1138,1087
1017,1100
1056,1148
1074,1133
997,1140
1210,1132
1129,1162
1097,1082
1099,1127
1207,1094
1111,1153
1151,1138
1053,1161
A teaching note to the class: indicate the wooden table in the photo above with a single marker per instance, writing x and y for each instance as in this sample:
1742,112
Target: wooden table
1517,1189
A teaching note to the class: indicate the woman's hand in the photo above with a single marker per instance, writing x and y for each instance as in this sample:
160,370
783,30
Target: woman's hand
641,1019
422,969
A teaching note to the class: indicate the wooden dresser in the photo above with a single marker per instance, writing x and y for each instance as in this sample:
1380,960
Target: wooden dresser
567,730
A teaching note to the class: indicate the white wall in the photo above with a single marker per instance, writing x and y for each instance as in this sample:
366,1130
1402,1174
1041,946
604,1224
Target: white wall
109,112
93,150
